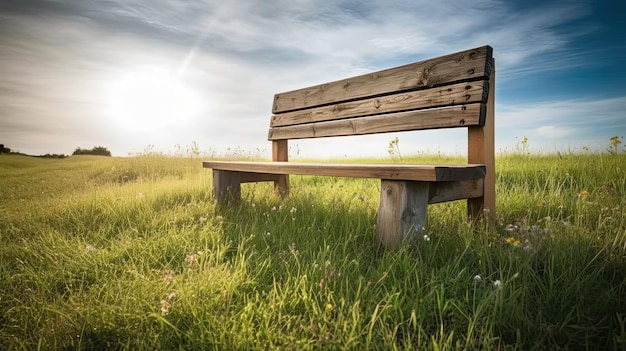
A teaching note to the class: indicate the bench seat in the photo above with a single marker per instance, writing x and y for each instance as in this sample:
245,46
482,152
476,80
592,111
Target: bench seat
427,173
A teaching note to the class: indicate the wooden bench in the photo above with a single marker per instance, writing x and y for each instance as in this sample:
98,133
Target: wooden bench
451,91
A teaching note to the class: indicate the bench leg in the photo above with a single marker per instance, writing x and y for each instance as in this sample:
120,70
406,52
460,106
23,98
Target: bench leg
402,211
281,186
226,187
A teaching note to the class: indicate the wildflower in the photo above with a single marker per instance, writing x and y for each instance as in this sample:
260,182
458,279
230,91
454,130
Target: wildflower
477,278
167,303
497,283
274,208
426,237
511,240
168,276
293,210
203,219
329,307
584,193
165,307
615,141
191,259
293,249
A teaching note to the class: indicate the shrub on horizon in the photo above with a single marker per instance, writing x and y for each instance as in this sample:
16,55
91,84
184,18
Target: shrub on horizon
98,151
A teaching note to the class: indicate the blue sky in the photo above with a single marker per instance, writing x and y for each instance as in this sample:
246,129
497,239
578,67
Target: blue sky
133,75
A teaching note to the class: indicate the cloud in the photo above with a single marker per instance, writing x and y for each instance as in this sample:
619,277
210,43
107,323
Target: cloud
553,131
60,59
558,124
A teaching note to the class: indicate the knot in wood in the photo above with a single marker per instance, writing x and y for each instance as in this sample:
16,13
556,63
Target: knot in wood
423,77
389,190
377,104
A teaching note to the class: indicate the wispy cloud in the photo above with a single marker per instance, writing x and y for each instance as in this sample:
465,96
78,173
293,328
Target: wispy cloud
573,123
60,58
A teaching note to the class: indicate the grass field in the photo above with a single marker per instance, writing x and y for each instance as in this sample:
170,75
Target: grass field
132,253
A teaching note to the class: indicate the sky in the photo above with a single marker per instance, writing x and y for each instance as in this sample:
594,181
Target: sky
140,76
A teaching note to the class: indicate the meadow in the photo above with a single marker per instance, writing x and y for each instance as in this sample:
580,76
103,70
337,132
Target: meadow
132,253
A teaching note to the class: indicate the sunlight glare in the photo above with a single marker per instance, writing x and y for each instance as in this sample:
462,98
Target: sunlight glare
151,98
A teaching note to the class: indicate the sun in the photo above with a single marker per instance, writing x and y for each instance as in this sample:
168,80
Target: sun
150,98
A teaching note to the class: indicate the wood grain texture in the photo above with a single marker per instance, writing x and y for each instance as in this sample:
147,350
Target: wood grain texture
481,149
456,94
471,64
445,117
248,177
457,190
226,187
280,153
357,170
401,211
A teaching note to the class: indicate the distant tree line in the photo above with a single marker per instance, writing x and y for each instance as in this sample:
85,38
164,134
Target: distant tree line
53,156
98,150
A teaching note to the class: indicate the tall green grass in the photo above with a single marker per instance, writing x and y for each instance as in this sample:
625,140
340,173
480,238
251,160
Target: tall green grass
132,253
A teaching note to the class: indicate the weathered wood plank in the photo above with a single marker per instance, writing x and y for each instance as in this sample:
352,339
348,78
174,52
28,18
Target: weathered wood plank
357,170
450,191
280,153
445,117
226,186
481,149
466,65
401,211
247,177
456,94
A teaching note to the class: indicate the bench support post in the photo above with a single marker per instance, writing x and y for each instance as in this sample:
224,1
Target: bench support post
280,153
402,211
226,187
481,149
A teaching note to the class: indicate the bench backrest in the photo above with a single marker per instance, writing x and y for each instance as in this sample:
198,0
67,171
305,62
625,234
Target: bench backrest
444,92
450,91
